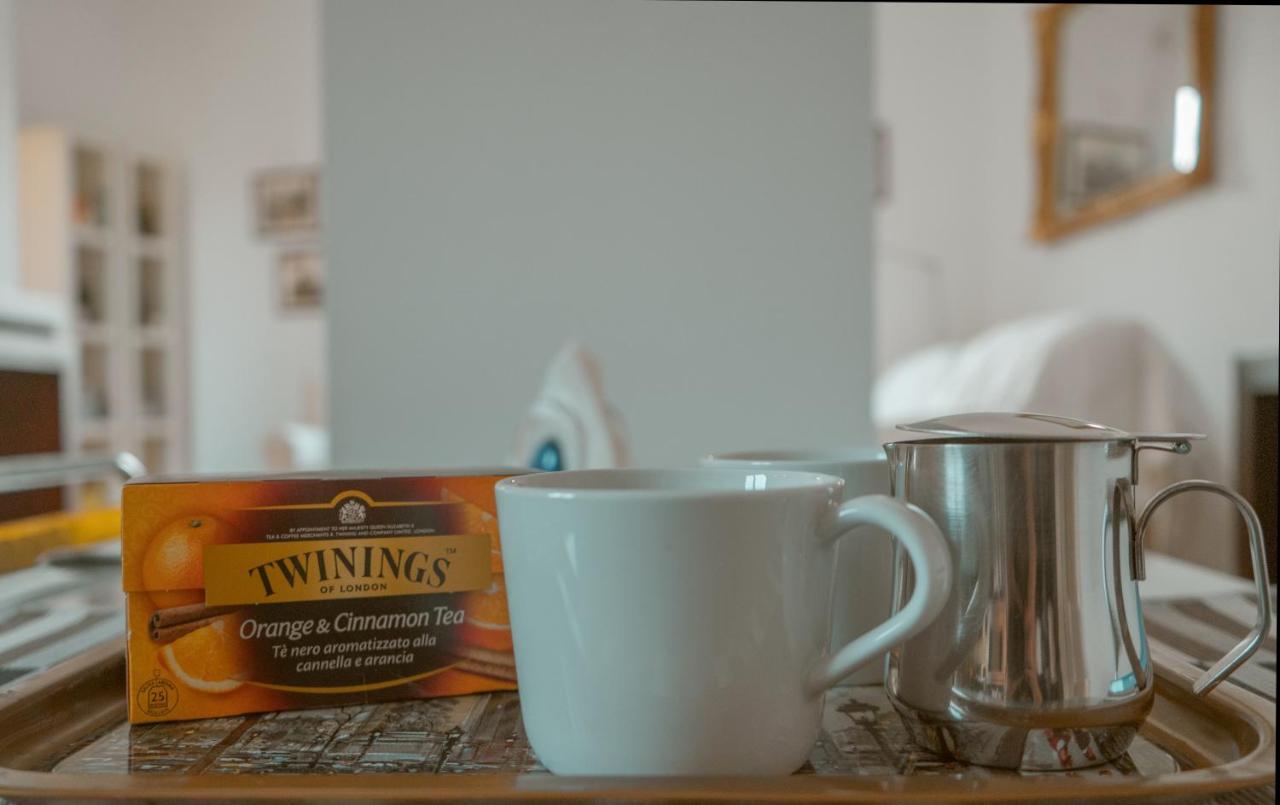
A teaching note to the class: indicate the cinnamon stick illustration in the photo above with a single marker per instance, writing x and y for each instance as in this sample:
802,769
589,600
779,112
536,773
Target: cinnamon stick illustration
495,664
168,634
167,625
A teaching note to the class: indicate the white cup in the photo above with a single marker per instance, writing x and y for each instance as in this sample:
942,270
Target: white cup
864,575
677,622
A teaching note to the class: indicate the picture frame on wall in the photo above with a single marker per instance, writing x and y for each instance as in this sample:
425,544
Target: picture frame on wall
287,201
300,277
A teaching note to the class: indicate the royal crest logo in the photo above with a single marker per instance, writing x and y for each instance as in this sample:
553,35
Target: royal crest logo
352,513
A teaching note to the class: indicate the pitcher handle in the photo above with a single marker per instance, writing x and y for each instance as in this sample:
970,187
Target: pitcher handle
930,559
1123,515
1243,650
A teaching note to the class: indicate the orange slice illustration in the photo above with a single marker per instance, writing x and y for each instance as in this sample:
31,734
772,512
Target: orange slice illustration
488,625
210,659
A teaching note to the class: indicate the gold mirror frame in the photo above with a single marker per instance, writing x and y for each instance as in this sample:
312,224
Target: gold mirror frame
1049,223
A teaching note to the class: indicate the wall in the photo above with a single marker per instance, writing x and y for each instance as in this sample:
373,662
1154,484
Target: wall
928,228
8,151
225,89
956,87
682,186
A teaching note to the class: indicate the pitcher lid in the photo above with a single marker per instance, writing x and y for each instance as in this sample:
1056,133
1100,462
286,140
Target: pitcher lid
1017,427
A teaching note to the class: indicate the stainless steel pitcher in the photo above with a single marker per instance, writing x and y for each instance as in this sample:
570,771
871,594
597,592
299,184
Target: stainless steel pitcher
1039,660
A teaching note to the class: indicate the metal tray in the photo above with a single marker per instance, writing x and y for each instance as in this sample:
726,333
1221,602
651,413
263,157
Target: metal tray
64,737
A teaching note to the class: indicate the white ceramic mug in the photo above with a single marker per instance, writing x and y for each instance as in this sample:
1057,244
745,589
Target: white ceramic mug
677,622
864,566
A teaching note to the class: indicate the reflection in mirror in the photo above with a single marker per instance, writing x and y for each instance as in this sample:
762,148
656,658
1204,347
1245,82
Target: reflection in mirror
1123,112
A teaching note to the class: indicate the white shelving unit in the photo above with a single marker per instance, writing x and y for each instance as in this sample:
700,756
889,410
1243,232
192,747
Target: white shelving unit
103,229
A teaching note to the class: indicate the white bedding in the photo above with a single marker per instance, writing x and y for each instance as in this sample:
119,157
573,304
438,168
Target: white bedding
1087,365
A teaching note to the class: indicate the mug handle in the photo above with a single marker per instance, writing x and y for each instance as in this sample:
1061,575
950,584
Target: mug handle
930,558
1243,650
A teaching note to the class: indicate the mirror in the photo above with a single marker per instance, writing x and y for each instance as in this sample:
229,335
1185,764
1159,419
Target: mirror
1124,117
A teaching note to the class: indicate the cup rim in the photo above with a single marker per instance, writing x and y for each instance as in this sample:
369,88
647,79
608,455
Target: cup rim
800,458
571,484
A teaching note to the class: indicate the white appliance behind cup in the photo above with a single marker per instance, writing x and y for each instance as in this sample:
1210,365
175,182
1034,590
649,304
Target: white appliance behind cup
571,425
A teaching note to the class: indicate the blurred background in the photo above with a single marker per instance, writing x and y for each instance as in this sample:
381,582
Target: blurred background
241,236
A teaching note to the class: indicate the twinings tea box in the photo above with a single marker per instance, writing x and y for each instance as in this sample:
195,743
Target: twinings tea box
312,590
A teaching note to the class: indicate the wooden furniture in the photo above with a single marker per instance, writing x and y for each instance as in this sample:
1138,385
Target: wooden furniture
30,422
102,228
1257,445
1057,211
35,364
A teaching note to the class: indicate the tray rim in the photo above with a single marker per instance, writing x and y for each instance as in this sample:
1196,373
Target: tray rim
1252,717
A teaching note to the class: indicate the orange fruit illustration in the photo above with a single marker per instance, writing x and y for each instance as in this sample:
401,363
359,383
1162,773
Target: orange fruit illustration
173,564
211,659
487,625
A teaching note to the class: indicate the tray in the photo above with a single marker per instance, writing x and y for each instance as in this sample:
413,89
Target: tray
64,736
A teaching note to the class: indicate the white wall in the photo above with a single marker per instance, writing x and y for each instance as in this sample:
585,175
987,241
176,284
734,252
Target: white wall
682,186
8,152
956,87
225,89
928,230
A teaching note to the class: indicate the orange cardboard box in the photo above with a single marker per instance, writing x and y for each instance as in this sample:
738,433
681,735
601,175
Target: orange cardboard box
247,594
